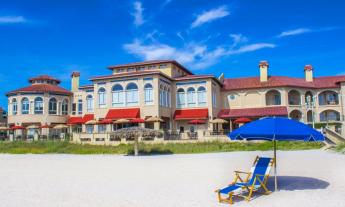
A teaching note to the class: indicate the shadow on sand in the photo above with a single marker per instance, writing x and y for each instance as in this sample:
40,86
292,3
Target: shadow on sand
292,183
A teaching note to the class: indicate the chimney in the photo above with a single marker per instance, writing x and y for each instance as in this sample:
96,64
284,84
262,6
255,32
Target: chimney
263,65
308,71
75,81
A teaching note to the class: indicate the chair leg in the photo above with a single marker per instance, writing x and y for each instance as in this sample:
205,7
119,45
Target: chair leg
250,194
231,195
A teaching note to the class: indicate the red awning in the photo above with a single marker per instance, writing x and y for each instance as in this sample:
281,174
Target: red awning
80,120
253,112
242,120
123,113
188,114
197,121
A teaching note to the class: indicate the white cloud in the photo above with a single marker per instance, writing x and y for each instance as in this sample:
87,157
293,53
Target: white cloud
138,13
295,32
210,15
195,55
238,39
12,19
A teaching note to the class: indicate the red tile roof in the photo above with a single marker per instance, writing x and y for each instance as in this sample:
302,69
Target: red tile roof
149,63
187,114
191,77
44,77
282,81
86,86
253,112
123,114
41,88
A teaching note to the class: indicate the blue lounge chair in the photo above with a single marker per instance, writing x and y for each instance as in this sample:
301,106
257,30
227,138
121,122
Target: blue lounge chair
253,181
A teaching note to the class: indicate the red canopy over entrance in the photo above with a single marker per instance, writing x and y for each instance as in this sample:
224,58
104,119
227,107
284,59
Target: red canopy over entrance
114,114
187,114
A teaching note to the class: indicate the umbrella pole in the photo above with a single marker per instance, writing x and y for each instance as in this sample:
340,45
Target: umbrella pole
275,166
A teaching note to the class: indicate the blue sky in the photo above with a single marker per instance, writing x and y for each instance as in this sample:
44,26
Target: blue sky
57,37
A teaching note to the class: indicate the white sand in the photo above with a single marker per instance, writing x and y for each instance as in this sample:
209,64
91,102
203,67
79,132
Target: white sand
309,178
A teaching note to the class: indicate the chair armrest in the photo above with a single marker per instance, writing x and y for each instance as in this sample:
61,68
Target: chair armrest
241,172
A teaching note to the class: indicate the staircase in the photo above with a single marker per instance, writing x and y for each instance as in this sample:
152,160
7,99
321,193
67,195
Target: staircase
332,137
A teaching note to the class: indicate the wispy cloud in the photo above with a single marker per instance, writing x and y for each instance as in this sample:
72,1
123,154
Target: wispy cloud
210,15
195,55
12,19
294,32
138,13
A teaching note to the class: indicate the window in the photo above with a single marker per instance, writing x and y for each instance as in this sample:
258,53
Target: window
102,128
25,106
161,66
38,105
152,67
52,106
102,98
64,107
74,108
148,91
214,99
273,98
191,97
14,106
89,129
161,95
141,68
201,96
180,98
132,94
80,106
329,115
130,69
168,98
118,95
89,103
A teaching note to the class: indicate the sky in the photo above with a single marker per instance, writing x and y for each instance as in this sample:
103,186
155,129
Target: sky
57,37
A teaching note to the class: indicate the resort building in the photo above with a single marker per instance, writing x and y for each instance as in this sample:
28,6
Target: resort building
166,96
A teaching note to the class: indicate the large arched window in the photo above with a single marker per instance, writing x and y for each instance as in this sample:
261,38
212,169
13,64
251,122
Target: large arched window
25,106
132,94
89,103
329,115
52,106
310,116
148,91
201,96
328,98
64,107
118,95
38,105
294,97
14,106
191,100
296,115
273,98
102,98
180,98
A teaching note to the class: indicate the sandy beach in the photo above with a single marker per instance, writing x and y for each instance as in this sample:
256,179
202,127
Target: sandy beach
306,178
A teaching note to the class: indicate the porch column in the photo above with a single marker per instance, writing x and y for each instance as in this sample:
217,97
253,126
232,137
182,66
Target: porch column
230,122
156,125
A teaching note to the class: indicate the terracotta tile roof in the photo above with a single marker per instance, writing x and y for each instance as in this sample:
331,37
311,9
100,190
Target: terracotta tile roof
44,77
41,88
253,112
281,81
123,114
86,86
149,63
187,114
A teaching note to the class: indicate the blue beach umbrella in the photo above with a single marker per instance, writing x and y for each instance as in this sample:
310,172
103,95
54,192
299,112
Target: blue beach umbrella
276,129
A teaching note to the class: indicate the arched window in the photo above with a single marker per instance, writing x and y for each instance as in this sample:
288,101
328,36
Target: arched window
309,116
273,98
25,106
148,90
89,103
168,98
80,106
161,99
14,106
118,95
132,94
102,98
294,97
328,98
180,98
191,100
296,115
64,107
201,96
52,106
329,115
309,99
38,105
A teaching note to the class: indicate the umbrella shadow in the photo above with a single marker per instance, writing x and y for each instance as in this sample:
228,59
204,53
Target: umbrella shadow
292,183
